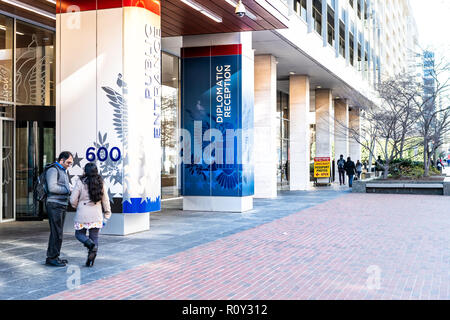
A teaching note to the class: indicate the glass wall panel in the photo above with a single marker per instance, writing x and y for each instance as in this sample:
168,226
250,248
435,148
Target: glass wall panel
7,169
169,125
35,70
6,59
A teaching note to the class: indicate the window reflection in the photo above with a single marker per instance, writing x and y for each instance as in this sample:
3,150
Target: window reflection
6,58
169,124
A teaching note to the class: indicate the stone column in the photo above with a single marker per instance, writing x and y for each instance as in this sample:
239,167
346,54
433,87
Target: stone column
217,111
299,100
265,141
324,125
355,128
341,129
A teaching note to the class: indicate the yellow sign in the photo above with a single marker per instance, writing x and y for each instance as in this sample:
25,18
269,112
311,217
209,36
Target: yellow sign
322,167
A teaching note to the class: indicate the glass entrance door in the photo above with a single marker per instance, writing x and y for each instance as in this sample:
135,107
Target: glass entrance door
35,144
7,170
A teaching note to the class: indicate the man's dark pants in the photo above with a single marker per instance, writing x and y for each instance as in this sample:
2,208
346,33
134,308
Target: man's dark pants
56,216
341,176
350,180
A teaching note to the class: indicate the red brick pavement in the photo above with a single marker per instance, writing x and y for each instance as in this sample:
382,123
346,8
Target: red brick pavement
319,253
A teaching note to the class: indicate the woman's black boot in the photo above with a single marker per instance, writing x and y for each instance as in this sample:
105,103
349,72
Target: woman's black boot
91,257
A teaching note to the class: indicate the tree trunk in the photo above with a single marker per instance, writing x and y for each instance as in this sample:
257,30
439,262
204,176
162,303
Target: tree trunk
386,170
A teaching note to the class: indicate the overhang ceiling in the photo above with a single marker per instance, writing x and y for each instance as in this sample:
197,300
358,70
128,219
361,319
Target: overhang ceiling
178,19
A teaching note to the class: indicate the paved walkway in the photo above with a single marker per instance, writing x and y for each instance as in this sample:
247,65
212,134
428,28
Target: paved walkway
357,246
23,274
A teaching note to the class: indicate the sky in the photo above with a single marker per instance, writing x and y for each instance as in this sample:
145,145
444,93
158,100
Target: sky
432,16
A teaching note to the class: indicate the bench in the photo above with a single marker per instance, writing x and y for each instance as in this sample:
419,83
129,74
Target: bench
406,185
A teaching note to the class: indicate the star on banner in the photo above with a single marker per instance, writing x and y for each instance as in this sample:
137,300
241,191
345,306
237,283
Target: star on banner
77,160
111,196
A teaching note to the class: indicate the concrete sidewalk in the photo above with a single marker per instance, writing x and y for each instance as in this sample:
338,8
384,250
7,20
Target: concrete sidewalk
23,245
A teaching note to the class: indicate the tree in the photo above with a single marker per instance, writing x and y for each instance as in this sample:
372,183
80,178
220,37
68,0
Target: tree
433,118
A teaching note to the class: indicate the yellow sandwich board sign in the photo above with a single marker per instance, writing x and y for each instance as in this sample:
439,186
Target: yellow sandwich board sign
322,167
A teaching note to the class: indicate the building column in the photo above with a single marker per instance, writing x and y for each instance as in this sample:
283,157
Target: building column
265,142
324,125
109,103
341,129
217,105
355,130
299,103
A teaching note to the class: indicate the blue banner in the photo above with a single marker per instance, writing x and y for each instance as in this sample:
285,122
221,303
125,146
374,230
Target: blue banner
213,114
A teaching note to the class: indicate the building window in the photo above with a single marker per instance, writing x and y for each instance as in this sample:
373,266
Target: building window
342,39
300,8
352,51
6,62
283,124
169,124
317,16
35,67
330,28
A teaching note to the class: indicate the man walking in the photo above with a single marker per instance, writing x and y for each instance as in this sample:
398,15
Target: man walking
350,168
341,169
57,201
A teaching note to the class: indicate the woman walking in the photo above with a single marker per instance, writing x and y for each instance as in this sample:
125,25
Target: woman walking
90,198
359,169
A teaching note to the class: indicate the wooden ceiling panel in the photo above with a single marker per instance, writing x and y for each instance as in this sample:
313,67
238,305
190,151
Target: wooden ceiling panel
192,19
177,18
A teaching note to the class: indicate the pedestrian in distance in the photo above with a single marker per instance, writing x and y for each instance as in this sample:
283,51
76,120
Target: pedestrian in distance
90,199
378,166
341,169
439,165
359,169
56,202
350,168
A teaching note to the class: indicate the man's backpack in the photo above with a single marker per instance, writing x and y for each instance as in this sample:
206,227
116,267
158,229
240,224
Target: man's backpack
40,190
341,164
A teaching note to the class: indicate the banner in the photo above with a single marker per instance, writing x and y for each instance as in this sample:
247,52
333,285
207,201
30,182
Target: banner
217,125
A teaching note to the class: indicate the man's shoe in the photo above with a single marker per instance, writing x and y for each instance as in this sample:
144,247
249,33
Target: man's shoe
54,263
65,261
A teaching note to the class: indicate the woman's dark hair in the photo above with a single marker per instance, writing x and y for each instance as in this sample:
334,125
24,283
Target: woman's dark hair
94,182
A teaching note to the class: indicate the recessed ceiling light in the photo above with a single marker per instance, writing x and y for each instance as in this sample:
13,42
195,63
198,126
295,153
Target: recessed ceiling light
292,73
202,10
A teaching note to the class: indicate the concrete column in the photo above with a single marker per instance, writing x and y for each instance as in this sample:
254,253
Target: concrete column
336,26
309,15
325,23
108,66
324,113
324,125
347,35
341,129
299,100
355,129
265,142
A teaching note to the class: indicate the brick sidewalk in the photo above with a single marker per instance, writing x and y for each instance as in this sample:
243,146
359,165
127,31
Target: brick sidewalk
324,252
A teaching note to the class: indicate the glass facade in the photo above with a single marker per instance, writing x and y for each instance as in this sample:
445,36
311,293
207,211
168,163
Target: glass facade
35,67
27,85
283,138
